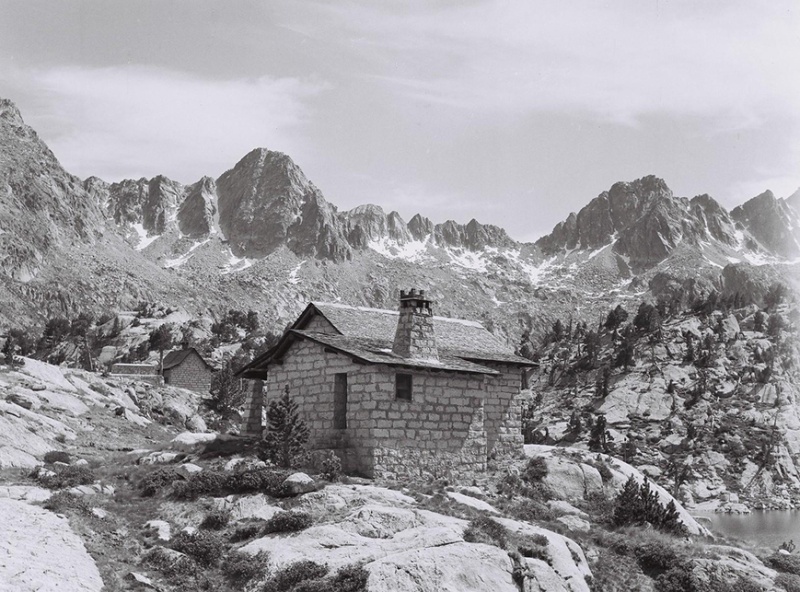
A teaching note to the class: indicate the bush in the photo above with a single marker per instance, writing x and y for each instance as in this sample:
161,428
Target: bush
785,563
218,483
65,477
55,456
679,579
288,522
351,578
657,556
161,559
485,530
240,568
332,467
216,520
789,582
246,532
289,577
156,480
203,546
61,501
535,470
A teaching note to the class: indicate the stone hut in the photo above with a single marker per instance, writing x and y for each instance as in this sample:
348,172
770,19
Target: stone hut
395,392
186,368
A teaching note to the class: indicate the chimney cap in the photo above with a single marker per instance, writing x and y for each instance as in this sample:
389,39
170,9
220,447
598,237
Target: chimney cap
413,293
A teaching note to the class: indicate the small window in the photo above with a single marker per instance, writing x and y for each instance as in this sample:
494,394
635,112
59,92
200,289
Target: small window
403,387
340,401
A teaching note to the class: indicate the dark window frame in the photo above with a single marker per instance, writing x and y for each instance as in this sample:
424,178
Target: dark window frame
340,388
403,387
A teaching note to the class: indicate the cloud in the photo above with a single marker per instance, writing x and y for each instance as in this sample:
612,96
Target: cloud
733,61
132,121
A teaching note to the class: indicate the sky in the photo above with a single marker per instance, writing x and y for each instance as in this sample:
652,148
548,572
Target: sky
511,112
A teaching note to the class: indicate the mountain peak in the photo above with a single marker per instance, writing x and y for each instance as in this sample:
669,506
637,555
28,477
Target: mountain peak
10,113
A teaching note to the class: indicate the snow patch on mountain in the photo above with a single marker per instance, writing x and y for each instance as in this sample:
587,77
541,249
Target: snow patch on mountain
178,261
293,279
144,240
413,251
237,263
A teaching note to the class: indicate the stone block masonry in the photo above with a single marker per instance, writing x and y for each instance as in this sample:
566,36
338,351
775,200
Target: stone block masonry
192,373
453,423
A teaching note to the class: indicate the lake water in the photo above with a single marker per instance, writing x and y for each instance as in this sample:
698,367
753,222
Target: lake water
768,528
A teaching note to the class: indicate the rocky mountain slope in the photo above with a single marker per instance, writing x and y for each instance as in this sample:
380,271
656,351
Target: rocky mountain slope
262,236
706,403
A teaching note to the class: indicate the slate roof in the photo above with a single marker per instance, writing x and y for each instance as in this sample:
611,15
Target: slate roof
367,334
176,358
376,352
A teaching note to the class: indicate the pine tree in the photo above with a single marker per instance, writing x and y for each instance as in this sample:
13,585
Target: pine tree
627,505
226,391
287,433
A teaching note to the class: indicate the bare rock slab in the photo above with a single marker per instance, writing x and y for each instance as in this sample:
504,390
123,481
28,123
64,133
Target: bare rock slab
39,552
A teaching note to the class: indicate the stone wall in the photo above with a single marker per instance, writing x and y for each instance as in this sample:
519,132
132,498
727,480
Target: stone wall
503,405
192,374
440,432
254,408
135,369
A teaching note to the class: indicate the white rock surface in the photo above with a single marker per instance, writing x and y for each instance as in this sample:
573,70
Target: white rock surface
186,470
473,502
161,528
250,506
459,567
299,483
574,523
39,552
25,493
189,442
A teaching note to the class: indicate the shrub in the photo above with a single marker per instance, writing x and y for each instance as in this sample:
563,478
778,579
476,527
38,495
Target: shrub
246,532
679,579
166,561
203,546
657,556
785,563
530,510
535,470
240,568
485,530
218,483
67,477
789,582
55,456
61,501
156,480
332,467
216,520
288,522
289,577
351,578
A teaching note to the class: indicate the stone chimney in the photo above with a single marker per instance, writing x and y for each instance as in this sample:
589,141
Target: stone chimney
415,337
